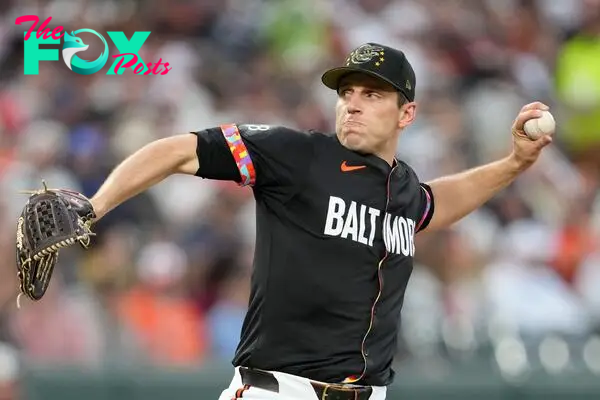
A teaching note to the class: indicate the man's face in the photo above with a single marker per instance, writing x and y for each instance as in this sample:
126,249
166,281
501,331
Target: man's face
368,117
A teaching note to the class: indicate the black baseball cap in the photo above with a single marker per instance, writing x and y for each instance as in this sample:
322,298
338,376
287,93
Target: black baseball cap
380,61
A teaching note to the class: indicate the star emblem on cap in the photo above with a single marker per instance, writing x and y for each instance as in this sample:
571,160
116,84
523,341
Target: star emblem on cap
365,53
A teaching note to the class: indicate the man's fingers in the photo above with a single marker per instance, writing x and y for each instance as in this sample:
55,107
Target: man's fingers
545,141
525,116
542,142
536,105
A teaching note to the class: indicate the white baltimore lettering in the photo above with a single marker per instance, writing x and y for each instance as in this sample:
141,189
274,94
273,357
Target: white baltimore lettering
335,216
393,242
351,220
359,223
405,241
398,235
374,213
411,236
386,232
361,234
351,225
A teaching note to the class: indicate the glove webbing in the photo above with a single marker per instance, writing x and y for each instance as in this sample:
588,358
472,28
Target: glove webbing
45,265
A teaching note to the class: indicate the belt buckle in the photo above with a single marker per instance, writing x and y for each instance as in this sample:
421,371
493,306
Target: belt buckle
339,388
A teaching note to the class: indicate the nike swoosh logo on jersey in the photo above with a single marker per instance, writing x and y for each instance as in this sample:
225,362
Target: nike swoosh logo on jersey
347,168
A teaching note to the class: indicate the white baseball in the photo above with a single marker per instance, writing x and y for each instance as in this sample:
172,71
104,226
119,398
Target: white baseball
538,127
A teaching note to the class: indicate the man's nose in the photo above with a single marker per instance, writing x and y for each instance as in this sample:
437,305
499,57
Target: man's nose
353,104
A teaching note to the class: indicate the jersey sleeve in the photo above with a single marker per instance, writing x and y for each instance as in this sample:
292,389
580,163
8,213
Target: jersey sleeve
427,206
422,202
259,156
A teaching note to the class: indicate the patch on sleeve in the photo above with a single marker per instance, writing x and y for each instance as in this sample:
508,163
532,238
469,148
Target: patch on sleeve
240,154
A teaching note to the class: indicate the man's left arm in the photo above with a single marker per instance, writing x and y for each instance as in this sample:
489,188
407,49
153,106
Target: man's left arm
460,194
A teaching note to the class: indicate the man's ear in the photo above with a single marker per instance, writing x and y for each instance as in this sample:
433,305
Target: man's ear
408,113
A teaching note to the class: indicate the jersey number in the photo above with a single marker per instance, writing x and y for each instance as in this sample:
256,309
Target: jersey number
258,127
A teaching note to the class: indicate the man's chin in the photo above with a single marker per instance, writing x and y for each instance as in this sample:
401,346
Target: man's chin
354,142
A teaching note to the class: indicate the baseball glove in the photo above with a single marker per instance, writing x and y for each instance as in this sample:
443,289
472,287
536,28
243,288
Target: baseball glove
51,220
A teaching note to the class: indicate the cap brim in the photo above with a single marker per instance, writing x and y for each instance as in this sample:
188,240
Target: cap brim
331,78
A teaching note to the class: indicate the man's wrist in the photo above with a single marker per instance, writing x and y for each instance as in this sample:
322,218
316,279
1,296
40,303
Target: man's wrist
98,207
516,164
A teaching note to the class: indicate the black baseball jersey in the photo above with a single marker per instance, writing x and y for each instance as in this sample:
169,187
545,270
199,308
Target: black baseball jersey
334,250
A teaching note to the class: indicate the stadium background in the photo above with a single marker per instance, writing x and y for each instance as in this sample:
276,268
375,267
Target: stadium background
505,304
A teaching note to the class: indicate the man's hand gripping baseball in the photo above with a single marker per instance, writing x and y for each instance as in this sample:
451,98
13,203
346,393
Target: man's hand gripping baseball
525,150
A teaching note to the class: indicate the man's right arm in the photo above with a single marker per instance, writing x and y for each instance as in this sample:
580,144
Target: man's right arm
145,168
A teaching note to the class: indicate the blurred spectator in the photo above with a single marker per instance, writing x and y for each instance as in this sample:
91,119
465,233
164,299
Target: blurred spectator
167,326
63,327
227,314
522,288
9,372
578,87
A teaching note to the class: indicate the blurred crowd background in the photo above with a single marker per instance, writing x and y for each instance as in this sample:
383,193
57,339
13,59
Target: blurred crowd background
166,281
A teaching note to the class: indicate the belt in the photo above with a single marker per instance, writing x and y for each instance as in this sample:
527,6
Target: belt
267,381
